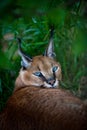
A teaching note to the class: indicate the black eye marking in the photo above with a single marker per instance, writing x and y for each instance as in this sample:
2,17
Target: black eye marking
54,69
38,73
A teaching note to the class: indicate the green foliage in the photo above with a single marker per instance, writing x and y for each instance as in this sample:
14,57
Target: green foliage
30,20
57,17
80,42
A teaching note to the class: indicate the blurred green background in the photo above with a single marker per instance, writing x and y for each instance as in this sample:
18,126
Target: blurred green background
30,20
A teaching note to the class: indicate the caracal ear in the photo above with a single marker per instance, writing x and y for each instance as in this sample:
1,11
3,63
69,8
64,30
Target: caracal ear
26,60
49,52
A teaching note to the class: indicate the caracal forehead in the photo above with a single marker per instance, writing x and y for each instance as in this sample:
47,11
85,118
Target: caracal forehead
43,60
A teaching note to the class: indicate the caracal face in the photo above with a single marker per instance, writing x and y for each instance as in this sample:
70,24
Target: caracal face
43,72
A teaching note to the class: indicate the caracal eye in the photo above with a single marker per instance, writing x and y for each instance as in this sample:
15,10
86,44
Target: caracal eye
55,68
38,73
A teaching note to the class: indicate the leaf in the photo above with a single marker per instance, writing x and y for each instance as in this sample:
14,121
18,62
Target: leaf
10,52
57,16
5,62
80,42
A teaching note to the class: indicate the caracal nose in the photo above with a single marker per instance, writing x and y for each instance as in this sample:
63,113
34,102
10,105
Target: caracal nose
51,81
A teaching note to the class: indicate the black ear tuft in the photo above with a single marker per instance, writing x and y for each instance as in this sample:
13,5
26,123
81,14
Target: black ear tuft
26,60
49,52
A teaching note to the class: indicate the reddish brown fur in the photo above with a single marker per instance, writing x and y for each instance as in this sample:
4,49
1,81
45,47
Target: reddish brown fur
34,108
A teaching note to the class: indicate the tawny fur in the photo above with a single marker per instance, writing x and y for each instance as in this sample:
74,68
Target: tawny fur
33,108
39,63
